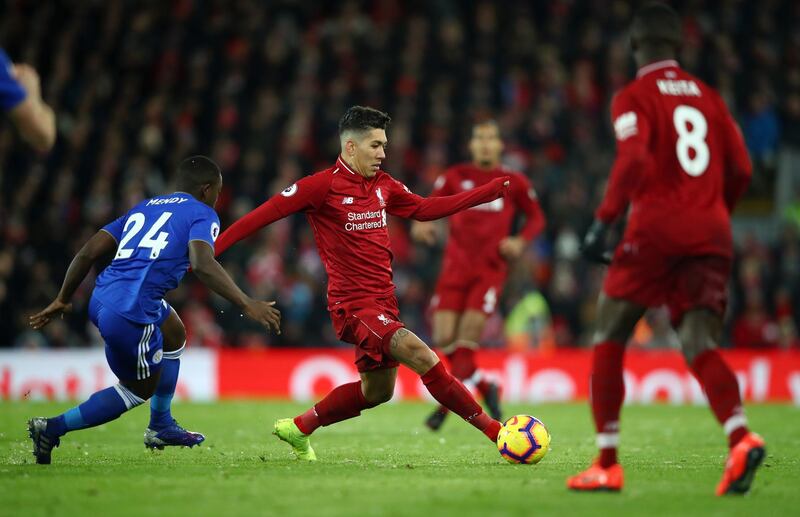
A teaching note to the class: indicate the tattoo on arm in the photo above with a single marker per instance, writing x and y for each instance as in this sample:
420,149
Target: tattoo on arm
395,342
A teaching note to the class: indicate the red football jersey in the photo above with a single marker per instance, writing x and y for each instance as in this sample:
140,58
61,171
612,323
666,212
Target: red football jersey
474,234
681,162
347,213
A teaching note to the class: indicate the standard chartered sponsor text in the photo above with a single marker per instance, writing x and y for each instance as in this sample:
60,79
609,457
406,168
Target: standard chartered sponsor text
369,220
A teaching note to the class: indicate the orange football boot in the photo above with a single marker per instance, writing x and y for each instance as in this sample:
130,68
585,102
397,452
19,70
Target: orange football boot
740,468
597,479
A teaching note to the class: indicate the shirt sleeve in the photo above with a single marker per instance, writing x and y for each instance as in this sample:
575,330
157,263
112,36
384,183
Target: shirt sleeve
404,203
11,92
307,194
632,130
524,197
116,227
205,227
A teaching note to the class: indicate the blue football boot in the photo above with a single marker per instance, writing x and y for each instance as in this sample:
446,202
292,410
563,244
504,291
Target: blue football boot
172,435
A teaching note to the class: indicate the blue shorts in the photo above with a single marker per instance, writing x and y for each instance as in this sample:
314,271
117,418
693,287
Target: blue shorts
133,350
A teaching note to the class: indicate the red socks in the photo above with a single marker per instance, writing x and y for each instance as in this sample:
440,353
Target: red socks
722,391
462,363
449,392
607,391
345,401
463,367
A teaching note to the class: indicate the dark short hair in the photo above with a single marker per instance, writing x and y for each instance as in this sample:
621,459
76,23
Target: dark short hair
657,23
196,171
362,118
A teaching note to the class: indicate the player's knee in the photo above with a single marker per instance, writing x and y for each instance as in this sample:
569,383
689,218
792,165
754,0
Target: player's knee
414,353
143,391
693,343
143,388
174,335
605,333
697,333
379,395
470,333
443,338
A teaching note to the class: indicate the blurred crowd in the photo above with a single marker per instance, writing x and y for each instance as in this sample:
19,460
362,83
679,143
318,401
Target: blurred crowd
260,86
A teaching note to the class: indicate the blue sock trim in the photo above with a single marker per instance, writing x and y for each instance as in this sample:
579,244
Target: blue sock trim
74,420
160,403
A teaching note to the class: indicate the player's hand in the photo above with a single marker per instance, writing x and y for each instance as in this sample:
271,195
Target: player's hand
593,247
57,308
29,79
264,313
424,232
511,248
501,185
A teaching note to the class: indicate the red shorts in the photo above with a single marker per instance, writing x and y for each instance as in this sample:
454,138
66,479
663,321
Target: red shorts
369,324
457,291
682,283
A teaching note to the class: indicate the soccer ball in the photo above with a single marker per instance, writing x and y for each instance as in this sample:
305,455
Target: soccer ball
523,439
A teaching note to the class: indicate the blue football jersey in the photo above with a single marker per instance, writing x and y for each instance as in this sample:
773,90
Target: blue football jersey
11,92
153,253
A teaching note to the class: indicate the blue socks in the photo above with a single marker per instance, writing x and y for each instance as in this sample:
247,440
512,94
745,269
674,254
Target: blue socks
103,406
160,402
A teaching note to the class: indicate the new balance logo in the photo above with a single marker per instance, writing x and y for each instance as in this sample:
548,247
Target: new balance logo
347,201
383,319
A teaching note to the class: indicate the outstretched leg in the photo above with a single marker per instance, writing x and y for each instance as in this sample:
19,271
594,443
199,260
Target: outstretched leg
102,407
133,352
461,356
411,351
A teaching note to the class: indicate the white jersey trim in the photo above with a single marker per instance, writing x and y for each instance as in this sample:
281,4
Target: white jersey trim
658,65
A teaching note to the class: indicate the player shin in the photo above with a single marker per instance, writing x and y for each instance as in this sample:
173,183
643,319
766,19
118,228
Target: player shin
445,388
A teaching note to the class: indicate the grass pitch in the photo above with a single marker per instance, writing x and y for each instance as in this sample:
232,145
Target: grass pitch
387,463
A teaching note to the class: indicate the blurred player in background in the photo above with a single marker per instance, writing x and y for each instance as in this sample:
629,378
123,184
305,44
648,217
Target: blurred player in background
347,206
21,97
681,165
475,264
155,242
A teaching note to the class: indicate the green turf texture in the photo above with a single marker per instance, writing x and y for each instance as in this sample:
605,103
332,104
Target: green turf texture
387,463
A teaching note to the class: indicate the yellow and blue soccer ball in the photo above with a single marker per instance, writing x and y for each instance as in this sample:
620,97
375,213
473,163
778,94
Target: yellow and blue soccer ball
523,439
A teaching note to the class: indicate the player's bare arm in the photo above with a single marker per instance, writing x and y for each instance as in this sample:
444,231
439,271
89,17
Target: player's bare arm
212,274
100,245
33,118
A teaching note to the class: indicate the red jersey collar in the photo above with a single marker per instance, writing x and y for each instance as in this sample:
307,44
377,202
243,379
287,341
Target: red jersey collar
341,164
346,170
657,65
